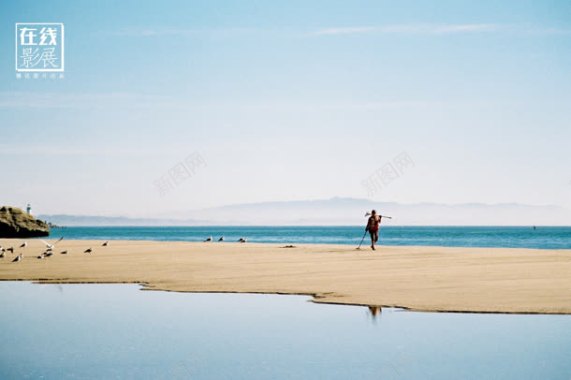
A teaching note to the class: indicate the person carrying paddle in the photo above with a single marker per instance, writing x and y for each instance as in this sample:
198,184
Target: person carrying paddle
373,225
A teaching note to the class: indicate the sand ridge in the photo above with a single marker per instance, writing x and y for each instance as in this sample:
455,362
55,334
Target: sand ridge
496,280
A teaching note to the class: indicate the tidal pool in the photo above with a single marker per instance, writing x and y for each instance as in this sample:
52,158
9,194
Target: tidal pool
118,331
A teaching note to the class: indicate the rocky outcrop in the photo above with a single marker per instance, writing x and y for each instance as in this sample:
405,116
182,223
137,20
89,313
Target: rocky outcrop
15,223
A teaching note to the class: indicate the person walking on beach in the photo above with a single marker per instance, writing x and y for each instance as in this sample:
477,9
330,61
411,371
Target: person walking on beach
373,225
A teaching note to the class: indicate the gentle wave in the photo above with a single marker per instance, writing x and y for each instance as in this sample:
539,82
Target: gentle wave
516,237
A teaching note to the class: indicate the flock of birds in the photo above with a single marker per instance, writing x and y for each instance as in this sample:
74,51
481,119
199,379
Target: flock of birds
241,240
48,251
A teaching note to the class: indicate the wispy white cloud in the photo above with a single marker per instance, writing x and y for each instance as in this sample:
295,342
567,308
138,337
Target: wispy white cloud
384,29
346,30
65,149
21,99
443,29
548,31
394,29
137,101
412,29
180,32
127,100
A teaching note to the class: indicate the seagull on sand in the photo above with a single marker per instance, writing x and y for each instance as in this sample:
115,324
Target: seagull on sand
105,244
18,258
48,253
209,238
2,254
64,252
88,250
41,257
24,244
11,249
242,240
221,238
50,246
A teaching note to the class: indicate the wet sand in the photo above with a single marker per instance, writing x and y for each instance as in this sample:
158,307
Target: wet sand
495,280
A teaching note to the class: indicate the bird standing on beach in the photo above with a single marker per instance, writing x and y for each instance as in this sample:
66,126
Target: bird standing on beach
209,238
18,258
64,252
24,244
221,238
2,254
105,244
242,240
11,249
88,250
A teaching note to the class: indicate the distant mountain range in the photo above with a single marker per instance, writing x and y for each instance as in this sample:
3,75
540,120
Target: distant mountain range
337,211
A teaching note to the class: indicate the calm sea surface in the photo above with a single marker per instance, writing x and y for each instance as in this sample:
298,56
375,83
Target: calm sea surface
522,237
120,332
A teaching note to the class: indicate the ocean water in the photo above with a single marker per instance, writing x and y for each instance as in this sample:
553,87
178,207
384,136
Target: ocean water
516,237
119,332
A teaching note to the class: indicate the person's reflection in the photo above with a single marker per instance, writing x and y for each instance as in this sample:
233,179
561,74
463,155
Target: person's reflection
375,311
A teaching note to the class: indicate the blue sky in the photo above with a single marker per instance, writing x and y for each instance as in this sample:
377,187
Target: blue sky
289,100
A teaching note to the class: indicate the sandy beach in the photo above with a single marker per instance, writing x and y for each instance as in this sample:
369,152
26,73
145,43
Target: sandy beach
417,278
